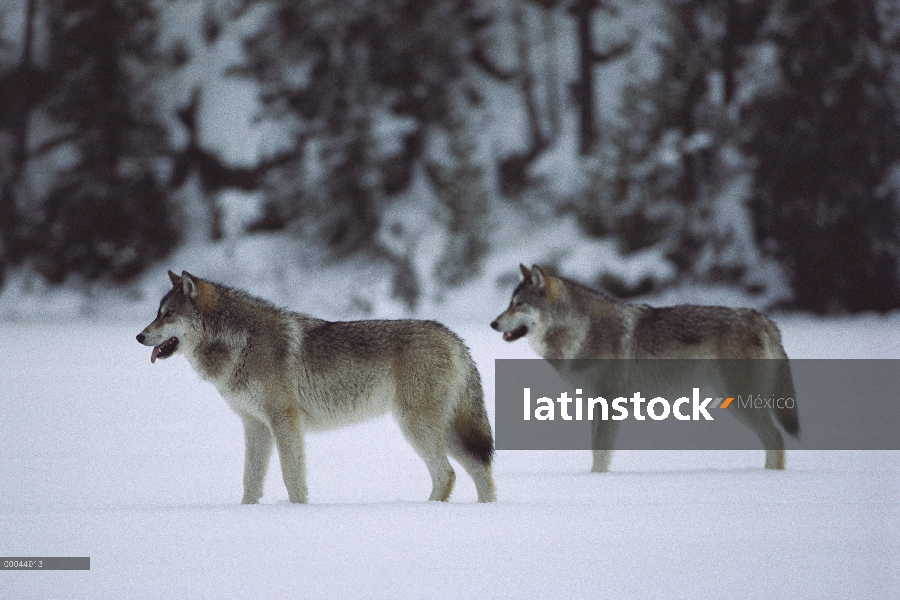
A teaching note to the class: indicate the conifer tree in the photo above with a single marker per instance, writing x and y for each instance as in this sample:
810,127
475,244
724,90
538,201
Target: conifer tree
826,141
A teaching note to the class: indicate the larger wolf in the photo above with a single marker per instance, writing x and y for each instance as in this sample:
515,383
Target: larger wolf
284,373
565,320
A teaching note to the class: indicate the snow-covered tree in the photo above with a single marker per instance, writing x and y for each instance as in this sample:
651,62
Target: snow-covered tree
673,174
361,84
827,145
89,151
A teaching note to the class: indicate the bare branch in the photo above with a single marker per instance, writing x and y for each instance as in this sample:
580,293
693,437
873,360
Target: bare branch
481,60
613,52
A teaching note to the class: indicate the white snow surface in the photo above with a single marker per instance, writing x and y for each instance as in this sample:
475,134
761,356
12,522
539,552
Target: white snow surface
139,467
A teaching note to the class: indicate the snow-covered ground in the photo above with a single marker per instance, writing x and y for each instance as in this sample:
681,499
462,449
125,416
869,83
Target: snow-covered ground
138,466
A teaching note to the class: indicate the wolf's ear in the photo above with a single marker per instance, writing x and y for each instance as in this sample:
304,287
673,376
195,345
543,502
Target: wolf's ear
189,285
175,279
538,277
526,274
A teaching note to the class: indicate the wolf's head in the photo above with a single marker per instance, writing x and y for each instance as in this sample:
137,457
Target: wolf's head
178,321
530,298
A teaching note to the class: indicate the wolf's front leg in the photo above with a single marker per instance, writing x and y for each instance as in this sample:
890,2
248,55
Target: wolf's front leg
288,431
604,435
257,450
602,458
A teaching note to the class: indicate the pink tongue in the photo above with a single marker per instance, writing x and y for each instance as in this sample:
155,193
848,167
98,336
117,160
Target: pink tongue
155,353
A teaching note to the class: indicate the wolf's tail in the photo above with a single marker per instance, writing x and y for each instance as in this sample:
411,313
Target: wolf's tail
786,411
470,421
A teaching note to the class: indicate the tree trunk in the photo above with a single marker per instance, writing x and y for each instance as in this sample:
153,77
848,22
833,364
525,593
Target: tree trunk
583,10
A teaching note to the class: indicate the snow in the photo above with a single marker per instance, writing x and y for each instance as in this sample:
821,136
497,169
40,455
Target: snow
138,466
229,104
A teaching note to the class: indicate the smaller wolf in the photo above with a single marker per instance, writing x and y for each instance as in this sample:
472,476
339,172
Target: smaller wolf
284,373
565,320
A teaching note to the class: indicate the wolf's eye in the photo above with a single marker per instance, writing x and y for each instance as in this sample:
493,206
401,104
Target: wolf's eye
518,303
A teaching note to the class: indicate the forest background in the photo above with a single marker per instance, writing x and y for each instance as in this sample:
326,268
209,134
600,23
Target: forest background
414,152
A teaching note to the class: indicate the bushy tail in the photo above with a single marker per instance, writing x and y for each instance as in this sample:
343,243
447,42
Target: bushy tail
787,417
785,413
470,421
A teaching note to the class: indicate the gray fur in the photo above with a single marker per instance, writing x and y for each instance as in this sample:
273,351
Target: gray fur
565,320
285,373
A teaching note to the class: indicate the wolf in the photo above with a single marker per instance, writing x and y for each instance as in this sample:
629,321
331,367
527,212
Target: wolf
285,373
565,320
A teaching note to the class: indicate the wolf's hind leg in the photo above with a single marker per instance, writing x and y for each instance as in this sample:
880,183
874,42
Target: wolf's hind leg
760,421
470,443
442,475
258,449
429,445
479,471
772,441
